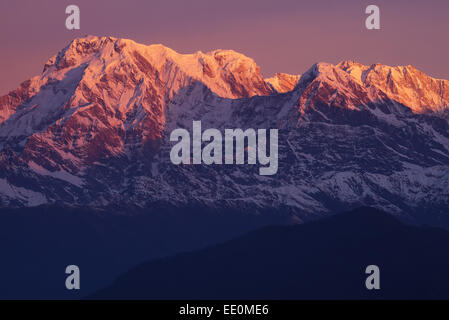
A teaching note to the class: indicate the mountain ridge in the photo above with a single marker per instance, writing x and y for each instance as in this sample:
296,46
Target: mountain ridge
92,130
324,259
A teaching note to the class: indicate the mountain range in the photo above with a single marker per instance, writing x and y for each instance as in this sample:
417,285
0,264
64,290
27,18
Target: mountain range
86,176
93,131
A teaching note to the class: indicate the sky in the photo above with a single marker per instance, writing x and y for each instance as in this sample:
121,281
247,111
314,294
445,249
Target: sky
281,36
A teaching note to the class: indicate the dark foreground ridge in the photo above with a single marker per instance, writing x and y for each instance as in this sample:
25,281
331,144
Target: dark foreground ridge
325,259
37,244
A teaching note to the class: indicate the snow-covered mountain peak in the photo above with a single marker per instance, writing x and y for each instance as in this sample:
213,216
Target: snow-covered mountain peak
404,84
325,84
283,82
410,87
355,69
225,72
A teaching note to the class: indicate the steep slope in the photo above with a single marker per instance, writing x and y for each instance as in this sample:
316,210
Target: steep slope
93,130
320,260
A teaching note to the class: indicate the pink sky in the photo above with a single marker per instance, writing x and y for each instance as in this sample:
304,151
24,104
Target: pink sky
281,36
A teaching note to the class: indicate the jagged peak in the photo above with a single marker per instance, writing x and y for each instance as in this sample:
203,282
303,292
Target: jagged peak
283,82
88,45
349,63
404,84
357,69
324,71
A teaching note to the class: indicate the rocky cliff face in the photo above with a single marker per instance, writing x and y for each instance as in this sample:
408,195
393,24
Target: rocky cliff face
282,82
93,130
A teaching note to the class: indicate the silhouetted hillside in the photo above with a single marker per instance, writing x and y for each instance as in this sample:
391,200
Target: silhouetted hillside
37,244
325,259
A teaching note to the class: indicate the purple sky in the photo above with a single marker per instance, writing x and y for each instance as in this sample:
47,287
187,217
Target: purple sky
281,35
